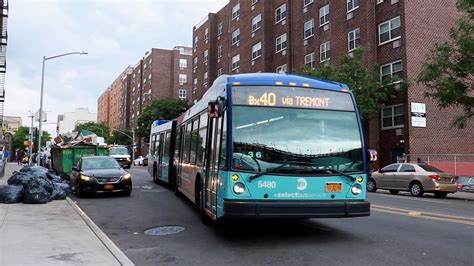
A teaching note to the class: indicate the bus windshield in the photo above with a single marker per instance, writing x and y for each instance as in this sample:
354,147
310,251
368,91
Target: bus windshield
266,138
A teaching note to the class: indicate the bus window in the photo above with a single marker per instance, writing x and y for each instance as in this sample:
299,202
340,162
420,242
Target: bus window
223,152
167,144
187,142
194,139
156,146
160,151
178,143
201,147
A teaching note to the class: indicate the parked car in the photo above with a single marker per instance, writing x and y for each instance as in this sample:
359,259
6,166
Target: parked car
139,161
415,178
466,183
100,174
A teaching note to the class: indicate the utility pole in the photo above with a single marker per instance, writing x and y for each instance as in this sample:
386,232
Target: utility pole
133,145
30,148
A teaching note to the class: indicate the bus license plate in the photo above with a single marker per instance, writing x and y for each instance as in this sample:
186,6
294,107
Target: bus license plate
333,187
108,186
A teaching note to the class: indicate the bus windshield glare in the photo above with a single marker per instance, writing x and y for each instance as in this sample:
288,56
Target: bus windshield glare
295,139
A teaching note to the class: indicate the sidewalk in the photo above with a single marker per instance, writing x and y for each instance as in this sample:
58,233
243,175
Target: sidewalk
56,233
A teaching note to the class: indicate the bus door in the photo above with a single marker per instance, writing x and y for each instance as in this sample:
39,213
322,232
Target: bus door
160,156
212,167
180,146
165,161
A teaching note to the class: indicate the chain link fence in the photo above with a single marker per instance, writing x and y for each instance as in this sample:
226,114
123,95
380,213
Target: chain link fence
458,164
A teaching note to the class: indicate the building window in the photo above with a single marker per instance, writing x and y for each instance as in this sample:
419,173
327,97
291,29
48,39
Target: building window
391,69
235,11
389,30
183,63
235,62
308,29
149,77
256,50
219,51
206,56
206,76
352,5
256,22
195,62
282,68
195,81
307,2
280,13
206,34
324,15
235,36
220,29
309,60
219,72
254,2
353,38
325,51
281,43
182,93
392,116
183,78
196,39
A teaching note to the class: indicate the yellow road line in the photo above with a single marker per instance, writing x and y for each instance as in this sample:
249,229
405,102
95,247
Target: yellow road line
424,215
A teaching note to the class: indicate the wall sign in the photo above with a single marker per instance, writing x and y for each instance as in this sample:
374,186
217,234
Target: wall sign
418,115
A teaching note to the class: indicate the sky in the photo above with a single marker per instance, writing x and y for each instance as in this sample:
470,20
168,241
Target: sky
114,33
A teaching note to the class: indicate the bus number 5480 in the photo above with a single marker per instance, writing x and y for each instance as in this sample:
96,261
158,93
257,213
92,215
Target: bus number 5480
267,184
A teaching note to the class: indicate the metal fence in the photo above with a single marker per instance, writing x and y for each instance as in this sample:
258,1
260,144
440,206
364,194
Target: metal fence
458,164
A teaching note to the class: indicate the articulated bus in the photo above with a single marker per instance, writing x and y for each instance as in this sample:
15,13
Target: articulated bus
267,145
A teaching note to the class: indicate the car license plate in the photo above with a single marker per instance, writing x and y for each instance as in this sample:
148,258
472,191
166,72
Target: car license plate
333,187
108,186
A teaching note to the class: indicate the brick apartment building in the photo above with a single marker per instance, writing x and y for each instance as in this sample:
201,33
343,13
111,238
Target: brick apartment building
159,74
282,35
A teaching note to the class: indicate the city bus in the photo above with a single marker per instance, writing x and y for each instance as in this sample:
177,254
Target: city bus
161,151
268,145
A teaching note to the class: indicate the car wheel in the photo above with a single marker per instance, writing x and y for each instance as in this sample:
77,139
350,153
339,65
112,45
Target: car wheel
371,186
441,195
416,190
394,192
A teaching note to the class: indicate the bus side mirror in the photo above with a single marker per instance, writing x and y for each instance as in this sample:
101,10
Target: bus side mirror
215,109
372,155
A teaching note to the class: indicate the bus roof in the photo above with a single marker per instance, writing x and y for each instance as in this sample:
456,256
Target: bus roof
159,127
285,79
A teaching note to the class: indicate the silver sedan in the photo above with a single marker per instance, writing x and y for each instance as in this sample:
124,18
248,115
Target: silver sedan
415,178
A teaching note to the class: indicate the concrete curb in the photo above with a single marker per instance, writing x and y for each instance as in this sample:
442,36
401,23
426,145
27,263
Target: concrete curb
116,252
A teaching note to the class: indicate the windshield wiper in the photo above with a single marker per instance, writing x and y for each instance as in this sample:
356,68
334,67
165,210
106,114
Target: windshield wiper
334,171
284,164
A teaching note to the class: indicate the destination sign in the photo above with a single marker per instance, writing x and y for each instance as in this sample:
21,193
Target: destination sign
293,97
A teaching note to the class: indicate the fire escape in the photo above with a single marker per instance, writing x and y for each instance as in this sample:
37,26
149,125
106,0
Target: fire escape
3,62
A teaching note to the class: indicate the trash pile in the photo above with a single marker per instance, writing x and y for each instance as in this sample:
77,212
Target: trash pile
34,184
83,137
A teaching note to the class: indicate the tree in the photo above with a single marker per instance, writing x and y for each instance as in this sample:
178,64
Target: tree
166,109
23,134
369,89
120,138
448,72
100,130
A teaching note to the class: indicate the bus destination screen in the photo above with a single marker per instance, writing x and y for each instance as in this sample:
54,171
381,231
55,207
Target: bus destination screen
293,97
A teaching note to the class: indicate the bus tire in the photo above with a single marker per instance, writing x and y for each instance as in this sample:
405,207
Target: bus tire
154,174
175,184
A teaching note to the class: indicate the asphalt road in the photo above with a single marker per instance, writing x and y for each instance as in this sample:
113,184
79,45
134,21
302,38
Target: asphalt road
401,230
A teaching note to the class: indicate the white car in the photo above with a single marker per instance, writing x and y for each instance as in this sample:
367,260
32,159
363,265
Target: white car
139,160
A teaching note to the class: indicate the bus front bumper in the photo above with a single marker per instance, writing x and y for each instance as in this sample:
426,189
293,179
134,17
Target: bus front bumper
295,208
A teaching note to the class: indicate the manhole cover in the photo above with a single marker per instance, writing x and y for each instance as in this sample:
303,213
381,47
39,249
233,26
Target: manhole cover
165,230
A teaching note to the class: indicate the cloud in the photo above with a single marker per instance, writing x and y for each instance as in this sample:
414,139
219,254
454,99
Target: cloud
115,33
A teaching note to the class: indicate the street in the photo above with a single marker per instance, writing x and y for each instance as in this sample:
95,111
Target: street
401,230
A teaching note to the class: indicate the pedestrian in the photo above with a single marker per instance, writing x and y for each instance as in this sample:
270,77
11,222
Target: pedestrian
18,156
6,155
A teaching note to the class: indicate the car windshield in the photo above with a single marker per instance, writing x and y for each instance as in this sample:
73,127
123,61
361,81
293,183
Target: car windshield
99,163
429,168
118,151
266,138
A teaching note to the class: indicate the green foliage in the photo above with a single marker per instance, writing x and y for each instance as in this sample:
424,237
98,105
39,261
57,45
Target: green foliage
100,130
166,109
22,134
448,72
366,84
121,137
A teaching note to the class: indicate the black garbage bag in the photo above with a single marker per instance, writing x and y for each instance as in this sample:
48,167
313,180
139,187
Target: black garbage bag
36,193
54,178
20,179
38,169
11,194
46,183
60,192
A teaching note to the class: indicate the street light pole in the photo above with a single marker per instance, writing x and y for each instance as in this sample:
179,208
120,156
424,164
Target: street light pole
30,158
40,128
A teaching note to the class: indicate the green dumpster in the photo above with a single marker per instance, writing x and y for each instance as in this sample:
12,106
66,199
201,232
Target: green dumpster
64,158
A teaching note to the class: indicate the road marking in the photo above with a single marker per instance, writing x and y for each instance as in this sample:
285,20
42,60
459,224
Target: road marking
411,198
424,215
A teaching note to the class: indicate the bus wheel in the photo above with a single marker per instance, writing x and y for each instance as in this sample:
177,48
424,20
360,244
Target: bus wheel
154,174
175,184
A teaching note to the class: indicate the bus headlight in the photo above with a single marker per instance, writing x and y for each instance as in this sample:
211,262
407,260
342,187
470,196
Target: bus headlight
356,189
239,188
